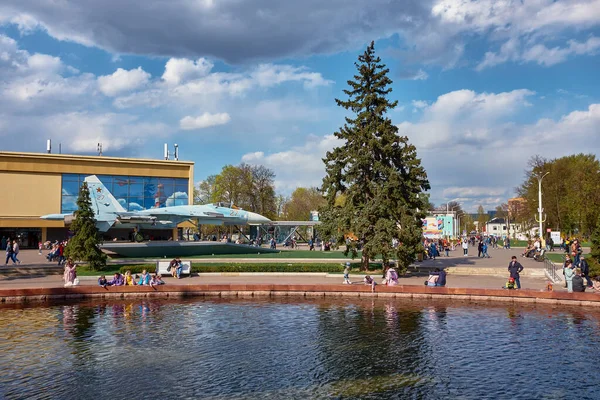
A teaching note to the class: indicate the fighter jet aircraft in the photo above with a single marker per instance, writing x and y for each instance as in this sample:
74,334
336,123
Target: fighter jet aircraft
108,212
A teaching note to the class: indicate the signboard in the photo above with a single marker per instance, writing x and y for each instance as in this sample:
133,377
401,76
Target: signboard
555,235
437,226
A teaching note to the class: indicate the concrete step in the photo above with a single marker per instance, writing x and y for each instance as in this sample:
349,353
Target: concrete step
493,271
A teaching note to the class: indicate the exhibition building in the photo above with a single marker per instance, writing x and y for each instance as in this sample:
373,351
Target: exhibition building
37,184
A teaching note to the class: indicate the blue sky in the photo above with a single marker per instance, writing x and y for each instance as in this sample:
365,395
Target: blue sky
482,85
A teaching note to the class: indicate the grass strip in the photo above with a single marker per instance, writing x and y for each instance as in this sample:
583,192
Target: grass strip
233,267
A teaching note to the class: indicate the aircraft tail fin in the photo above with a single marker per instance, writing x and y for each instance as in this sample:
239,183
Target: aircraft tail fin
105,206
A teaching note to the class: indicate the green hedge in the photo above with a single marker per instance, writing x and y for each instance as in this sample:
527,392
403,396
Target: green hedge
252,267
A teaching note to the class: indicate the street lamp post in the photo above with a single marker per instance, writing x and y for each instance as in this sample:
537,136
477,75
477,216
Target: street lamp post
540,209
458,215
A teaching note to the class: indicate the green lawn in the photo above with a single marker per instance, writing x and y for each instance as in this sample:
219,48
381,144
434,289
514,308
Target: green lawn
555,257
523,243
283,254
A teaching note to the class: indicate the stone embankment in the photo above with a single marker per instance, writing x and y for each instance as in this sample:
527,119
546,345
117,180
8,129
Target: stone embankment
309,291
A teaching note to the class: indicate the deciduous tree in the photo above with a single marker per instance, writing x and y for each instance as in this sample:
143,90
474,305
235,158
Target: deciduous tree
301,203
571,192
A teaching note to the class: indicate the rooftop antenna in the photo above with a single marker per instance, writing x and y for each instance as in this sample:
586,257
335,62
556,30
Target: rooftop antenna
99,148
176,153
49,146
166,151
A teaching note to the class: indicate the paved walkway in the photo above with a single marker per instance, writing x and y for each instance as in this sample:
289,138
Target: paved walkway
500,259
454,281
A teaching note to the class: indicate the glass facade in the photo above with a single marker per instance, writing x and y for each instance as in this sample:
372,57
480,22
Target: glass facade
135,193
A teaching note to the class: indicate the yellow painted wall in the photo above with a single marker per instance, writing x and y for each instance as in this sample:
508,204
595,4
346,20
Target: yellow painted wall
67,164
32,181
29,194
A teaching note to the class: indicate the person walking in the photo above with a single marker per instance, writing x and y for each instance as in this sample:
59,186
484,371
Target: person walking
15,252
465,246
479,248
9,253
515,268
484,250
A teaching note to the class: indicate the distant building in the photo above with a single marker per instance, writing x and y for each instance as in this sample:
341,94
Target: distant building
43,183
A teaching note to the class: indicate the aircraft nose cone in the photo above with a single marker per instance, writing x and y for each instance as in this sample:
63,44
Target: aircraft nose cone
254,218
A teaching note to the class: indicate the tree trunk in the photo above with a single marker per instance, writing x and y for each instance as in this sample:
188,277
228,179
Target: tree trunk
364,263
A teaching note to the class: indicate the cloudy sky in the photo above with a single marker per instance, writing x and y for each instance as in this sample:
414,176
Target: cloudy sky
482,85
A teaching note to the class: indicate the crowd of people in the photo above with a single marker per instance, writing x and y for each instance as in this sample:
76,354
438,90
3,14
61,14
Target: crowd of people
57,251
434,248
127,279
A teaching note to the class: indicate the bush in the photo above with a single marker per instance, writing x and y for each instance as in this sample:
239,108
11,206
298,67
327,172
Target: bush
138,269
594,267
252,267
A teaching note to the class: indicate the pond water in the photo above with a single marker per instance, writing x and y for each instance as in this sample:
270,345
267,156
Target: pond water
296,349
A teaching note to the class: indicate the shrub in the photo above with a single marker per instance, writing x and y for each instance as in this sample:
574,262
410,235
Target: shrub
252,267
594,267
138,269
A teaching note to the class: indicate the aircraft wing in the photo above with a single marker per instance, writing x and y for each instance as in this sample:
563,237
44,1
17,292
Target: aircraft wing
180,212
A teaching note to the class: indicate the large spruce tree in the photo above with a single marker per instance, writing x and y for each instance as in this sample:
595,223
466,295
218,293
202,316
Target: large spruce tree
374,172
84,245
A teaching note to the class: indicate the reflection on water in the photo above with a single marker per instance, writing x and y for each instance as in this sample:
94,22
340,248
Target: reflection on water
270,349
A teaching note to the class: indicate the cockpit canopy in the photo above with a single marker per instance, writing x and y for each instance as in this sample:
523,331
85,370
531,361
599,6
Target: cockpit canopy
226,205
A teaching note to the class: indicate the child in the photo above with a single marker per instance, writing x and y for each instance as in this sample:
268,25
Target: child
129,280
347,274
156,280
391,277
510,284
144,279
103,282
370,281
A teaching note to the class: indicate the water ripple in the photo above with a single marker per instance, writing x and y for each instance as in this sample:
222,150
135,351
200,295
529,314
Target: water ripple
237,349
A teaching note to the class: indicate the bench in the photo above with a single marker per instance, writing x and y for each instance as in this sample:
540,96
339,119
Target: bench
161,268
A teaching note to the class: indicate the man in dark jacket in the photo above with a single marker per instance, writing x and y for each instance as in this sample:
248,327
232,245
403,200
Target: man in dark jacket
578,285
585,270
441,277
480,248
515,268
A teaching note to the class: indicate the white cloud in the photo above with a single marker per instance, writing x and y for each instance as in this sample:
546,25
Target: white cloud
419,104
123,81
547,57
539,53
82,131
298,166
518,16
178,70
472,191
420,75
192,83
204,121
44,62
268,75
